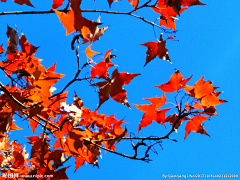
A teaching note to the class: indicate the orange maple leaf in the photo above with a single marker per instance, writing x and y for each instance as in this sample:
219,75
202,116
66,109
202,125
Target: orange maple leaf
134,3
195,125
90,52
204,91
73,20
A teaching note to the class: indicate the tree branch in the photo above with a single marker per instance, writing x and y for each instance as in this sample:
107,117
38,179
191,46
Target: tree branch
99,11
120,154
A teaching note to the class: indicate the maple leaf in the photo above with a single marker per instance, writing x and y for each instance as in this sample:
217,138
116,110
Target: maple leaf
90,52
67,20
14,127
57,3
113,87
167,22
108,57
73,20
175,121
21,2
60,174
210,110
176,82
78,101
13,40
110,2
168,15
55,156
79,162
44,79
176,4
26,47
195,125
97,33
204,91
1,49
191,2
100,70
150,111
166,10
134,3
156,49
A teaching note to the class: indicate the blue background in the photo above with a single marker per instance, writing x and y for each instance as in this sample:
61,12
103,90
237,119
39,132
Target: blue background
209,44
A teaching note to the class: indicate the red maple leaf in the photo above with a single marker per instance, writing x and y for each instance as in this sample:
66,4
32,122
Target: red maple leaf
57,3
1,49
176,4
101,69
156,49
168,15
21,2
151,112
110,2
26,47
176,82
113,87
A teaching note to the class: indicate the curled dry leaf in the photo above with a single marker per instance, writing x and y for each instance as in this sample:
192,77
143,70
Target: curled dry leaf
90,52
97,33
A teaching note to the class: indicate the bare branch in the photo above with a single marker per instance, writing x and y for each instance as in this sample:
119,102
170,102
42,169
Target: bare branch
99,11
120,154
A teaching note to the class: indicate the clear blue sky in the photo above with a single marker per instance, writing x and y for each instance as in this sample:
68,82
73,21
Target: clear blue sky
209,44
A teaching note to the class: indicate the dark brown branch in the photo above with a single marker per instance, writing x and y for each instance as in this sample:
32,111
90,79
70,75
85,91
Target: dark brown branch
42,124
120,154
8,75
46,121
99,11
138,138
